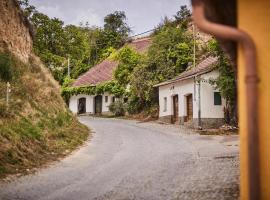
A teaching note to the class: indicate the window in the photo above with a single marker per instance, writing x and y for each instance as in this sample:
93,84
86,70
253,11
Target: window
106,99
165,104
113,99
217,99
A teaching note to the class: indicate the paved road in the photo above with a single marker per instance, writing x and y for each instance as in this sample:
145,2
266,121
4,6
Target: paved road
128,160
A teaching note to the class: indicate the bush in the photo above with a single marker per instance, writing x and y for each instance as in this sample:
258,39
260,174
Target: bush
134,105
5,67
118,108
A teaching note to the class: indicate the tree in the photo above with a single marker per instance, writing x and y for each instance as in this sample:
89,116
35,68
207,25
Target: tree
115,30
226,82
27,8
115,23
182,17
128,60
49,35
113,35
168,56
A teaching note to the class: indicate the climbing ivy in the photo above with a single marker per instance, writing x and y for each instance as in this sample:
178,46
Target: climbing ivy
111,87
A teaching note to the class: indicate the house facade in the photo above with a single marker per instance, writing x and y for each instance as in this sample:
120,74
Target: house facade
190,99
91,104
103,72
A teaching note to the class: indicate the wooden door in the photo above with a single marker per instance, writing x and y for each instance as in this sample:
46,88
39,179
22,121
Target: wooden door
175,117
189,108
82,106
98,104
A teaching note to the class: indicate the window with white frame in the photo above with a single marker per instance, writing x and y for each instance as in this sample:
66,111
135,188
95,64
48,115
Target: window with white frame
165,104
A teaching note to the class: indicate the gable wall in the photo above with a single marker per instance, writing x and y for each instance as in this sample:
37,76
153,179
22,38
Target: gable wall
209,111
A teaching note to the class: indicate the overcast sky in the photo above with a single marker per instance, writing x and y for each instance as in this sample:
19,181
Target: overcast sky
142,14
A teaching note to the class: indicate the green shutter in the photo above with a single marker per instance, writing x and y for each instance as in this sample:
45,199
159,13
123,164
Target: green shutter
217,99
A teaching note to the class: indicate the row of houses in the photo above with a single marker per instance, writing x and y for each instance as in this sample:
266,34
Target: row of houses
188,99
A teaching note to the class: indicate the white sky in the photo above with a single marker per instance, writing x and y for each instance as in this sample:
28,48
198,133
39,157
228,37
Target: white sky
142,14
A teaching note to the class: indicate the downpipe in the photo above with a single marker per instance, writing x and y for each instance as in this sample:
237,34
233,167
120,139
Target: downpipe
251,80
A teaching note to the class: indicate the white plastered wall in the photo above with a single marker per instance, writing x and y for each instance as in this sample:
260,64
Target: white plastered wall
208,109
186,87
105,105
90,104
73,103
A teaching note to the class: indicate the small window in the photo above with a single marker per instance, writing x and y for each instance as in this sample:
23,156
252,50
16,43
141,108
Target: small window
113,99
165,104
217,99
106,99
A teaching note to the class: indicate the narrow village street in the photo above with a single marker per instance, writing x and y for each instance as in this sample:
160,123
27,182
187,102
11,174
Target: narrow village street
126,159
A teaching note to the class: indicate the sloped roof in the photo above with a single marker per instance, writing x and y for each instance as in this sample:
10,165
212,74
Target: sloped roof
104,70
203,67
140,45
97,74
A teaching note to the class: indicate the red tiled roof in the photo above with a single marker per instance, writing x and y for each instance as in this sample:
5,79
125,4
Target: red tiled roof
203,67
97,74
104,70
140,45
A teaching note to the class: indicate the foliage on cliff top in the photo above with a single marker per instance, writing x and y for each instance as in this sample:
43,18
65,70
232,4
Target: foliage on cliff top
86,46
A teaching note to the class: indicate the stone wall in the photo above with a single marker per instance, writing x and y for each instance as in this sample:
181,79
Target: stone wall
208,123
166,119
15,30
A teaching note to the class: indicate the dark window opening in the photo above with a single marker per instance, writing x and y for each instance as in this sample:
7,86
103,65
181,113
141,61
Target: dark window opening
113,99
217,99
82,106
106,99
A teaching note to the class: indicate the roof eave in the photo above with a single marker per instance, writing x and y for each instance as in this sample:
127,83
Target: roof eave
184,78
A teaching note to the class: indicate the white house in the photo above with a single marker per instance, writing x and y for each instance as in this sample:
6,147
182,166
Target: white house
99,104
190,99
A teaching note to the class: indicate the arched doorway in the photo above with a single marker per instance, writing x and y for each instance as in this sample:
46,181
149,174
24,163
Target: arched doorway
98,104
82,105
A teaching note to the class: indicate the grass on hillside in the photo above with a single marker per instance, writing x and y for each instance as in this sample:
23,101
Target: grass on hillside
36,127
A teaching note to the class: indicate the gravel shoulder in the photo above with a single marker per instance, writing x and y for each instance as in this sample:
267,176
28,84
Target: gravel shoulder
126,159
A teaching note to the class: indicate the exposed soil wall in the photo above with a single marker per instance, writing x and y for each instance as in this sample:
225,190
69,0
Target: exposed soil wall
15,30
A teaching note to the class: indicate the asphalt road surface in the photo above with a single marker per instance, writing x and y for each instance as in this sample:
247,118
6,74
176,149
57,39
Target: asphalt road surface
128,160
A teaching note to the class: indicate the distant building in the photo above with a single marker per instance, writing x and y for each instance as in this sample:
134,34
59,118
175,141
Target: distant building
103,72
189,99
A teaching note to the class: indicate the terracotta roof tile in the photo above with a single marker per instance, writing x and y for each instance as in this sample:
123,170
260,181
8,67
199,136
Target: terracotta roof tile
104,70
97,74
141,45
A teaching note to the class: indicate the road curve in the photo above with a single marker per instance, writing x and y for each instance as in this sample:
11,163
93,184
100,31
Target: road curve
130,160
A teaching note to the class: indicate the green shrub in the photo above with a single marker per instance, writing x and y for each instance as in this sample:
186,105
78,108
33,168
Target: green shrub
118,108
134,105
6,66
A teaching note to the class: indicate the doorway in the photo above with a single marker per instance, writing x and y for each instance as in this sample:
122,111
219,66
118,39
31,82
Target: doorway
98,104
82,106
189,108
175,117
